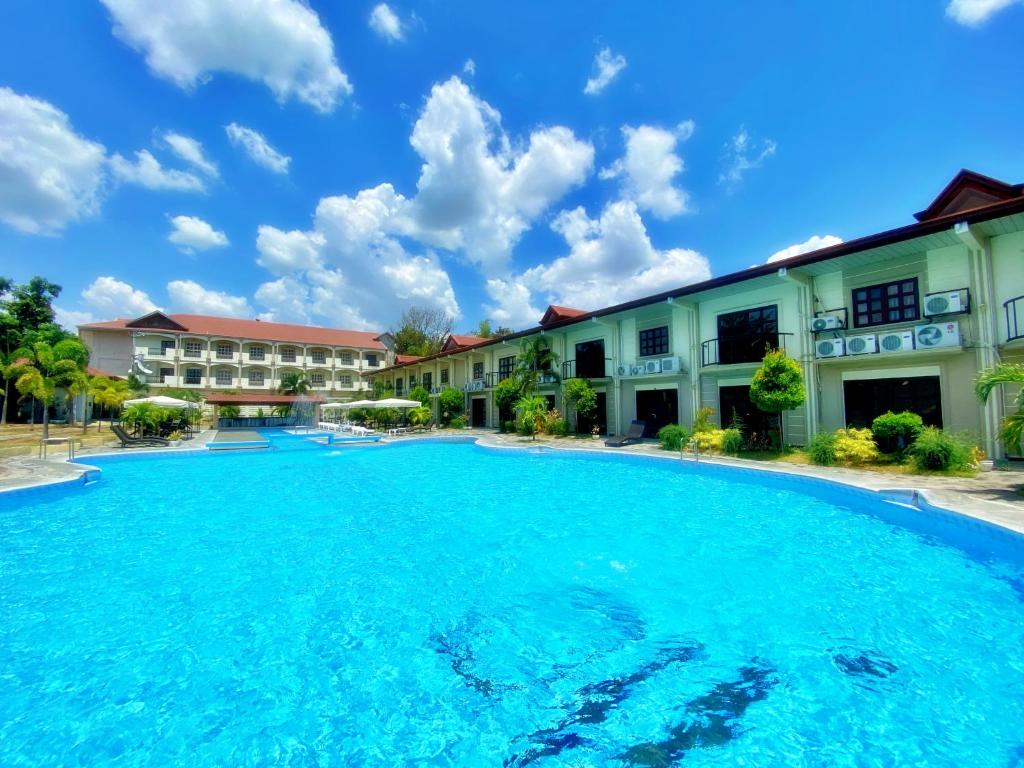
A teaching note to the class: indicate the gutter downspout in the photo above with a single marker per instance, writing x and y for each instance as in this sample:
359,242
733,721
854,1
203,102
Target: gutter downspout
805,305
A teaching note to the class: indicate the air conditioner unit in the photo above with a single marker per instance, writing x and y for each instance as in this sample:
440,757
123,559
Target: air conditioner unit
943,303
935,335
828,348
826,323
477,386
861,345
899,341
652,366
671,365
622,370
636,369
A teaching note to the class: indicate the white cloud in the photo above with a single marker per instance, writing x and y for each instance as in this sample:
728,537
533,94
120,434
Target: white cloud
257,147
279,43
973,13
607,66
147,172
70,319
649,166
190,233
385,23
191,151
813,243
743,154
283,252
49,175
610,260
190,296
469,67
112,298
286,299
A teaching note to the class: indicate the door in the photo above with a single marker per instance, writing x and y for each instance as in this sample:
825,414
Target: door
657,408
734,404
478,412
600,417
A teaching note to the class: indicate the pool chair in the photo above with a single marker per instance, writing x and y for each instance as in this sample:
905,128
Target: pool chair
127,441
633,435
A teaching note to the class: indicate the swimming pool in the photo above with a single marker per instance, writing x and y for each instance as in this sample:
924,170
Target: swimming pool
437,603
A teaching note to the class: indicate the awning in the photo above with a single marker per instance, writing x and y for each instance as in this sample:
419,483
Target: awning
257,399
162,401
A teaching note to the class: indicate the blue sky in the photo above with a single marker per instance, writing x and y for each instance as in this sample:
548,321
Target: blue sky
336,162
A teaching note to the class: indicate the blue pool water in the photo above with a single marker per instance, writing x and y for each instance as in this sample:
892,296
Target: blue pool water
440,604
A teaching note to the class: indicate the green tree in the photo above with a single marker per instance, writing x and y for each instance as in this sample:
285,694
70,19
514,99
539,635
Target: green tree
486,331
450,403
421,416
1011,432
40,370
145,417
228,411
581,397
109,393
295,383
283,410
422,331
535,358
421,394
381,389
531,410
506,395
137,386
778,385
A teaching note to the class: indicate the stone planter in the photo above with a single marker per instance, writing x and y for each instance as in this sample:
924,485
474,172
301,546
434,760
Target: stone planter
986,465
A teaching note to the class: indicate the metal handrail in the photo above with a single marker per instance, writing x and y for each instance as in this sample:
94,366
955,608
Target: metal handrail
1014,309
709,350
569,370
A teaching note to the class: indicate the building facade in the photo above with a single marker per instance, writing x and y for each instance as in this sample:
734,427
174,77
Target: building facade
217,354
900,320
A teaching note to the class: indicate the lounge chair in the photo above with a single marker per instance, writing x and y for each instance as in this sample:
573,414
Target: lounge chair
633,435
127,441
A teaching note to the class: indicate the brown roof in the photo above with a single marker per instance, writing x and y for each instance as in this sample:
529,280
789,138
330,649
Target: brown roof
257,399
455,341
408,358
207,325
100,372
556,313
969,190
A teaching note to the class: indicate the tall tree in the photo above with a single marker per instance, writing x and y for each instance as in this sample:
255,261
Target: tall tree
486,331
777,386
422,331
110,393
40,370
535,358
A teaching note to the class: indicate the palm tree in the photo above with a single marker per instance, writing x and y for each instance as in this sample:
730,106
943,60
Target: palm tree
1012,430
294,384
535,358
110,393
40,369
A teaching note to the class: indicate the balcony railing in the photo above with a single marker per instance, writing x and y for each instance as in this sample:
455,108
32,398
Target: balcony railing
586,369
1014,309
741,350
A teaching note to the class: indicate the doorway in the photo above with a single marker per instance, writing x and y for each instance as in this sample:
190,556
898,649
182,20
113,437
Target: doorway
478,412
600,417
734,403
657,408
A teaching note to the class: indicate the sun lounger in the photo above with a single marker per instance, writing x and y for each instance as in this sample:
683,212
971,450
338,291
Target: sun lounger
127,441
633,435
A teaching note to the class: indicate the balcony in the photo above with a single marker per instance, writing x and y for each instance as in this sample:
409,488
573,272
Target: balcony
738,350
1014,309
320,362
475,385
587,368
224,357
156,353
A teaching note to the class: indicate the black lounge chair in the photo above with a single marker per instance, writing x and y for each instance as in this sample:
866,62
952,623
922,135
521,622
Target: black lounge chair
633,435
127,441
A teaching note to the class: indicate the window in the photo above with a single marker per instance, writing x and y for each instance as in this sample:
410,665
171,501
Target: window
224,351
193,375
894,302
193,348
864,400
428,381
444,375
505,367
165,373
257,353
288,355
478,371
316,378
319,356
223,376
371,361
744,336
345,358
166,346
654,341
255,378
590,359
398,387
345,380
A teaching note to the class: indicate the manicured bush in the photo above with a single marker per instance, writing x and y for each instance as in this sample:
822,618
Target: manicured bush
451,402
421,394
855,446
732,441
896,431
459,422
508,426
822,449
580,396
936,450
557,427
709,441
673,436
420,417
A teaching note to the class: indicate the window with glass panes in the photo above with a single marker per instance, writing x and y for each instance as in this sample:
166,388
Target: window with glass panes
345,380
224,351
894,302
478,371
255,378
193,375
345,358
444,375
316,378
193,348
505,366
654,341
371,361
319,356
288,355
223,376
428,380
256,353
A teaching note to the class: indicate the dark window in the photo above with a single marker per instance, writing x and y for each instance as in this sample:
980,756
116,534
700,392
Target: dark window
478,371
444,375
428,381
657,408
412,382
165,373
734,405
193,375
894,302
654,341
505,366
165,346
870,398
590,359
398,387
744,336
371,361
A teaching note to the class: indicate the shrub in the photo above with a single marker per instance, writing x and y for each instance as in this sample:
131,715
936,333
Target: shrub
702,423
581,397
732,441
421,394
459,422
558,427
421,416
822,449
508,426
450,403
506,394
174,435
709,441
938,450
673,436
896,431
531,415
855,446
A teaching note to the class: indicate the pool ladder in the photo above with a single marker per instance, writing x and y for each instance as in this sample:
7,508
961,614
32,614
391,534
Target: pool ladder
694,446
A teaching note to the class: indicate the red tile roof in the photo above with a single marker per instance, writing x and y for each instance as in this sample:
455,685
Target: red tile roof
407,358
465,340
100,372
556,313
257,399
206,325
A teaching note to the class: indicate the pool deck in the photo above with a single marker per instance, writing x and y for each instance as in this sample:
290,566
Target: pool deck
990,496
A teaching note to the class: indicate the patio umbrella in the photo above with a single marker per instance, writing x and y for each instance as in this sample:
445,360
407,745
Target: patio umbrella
394,402
346,406
163,402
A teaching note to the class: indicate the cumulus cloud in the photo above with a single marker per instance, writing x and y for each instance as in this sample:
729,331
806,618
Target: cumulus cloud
70,319
257,147
385,23
49,175
190,233
469,67
280,43
743,154
191,151
607,66
813,243
284,252
286,299
148,172
190,296
974,13
649,168
112,298
610,260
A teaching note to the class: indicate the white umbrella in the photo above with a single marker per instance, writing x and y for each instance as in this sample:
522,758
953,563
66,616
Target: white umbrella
395,402
346,406
163,401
